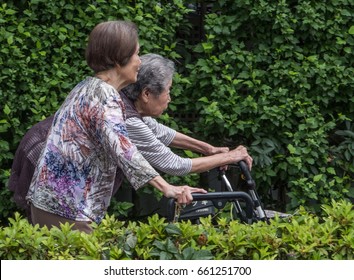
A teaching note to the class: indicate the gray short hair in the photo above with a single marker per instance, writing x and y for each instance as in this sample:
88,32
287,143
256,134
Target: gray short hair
154,74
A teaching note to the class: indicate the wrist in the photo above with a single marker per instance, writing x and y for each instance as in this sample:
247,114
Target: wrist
232,157
209,150
159,183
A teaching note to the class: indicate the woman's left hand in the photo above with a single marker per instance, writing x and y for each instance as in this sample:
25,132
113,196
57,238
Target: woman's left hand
183,194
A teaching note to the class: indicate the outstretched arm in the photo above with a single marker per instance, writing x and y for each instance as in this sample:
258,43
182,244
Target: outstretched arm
185,142
215,156
151,140
202,164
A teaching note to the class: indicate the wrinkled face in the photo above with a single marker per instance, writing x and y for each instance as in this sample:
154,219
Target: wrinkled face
154,105
129,72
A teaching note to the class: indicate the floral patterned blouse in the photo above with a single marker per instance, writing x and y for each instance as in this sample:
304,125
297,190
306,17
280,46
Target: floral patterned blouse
88,140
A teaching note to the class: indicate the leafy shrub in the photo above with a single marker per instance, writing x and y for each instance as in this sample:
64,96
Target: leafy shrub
42,54
304,236
277,77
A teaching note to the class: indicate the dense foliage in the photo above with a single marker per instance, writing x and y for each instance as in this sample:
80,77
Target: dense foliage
276,76
302,237
42,57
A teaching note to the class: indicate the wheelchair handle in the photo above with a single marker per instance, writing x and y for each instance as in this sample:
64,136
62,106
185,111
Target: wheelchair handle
230,196
246,172
217,196
252,185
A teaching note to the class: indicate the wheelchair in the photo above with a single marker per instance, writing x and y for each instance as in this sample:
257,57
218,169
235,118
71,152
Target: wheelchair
245,203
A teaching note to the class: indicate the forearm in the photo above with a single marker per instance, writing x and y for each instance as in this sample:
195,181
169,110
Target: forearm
203,164
217,160
159,183
188,143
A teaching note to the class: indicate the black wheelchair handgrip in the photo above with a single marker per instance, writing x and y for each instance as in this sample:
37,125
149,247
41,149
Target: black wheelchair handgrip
244,169
223,195
246,172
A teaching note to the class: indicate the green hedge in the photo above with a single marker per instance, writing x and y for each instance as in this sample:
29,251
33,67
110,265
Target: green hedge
303,237
42,57
276,76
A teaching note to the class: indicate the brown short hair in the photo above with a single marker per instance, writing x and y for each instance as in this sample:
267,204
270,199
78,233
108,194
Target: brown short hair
111,43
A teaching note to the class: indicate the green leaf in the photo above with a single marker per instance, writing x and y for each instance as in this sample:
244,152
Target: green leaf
317,178
7,109
351,30
159,245
165,256
189,153
10,11
291,149
204,99
203,255
331,170
173,229
171,247
10,40
131,240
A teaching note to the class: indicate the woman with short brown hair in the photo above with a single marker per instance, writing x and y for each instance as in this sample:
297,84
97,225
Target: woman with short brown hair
88,140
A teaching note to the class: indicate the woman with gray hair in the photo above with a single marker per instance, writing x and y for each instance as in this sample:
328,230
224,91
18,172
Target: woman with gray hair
145,100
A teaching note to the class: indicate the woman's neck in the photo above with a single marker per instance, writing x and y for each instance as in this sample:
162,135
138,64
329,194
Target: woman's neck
111,77
139,107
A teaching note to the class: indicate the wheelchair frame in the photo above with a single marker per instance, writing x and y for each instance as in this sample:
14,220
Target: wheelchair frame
253,210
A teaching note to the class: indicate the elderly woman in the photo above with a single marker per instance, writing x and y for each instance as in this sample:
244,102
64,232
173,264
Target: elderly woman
88,140
148,98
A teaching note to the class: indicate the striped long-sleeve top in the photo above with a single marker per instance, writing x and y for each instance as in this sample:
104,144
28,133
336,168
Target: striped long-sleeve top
152,140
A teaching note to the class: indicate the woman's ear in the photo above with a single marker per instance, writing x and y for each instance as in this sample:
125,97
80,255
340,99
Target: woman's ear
145,95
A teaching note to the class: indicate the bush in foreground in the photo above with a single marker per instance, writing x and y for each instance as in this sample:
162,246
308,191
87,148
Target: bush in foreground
304,236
